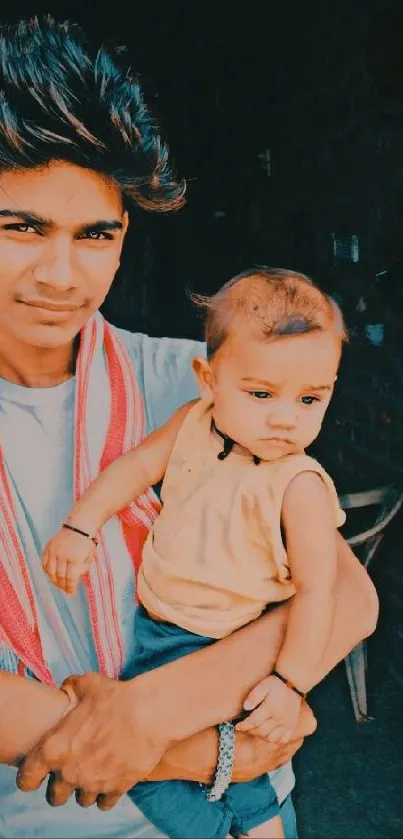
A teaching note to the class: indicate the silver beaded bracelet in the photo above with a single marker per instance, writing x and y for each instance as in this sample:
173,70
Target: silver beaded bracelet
225,762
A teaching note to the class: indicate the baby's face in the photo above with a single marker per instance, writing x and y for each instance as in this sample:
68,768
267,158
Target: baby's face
271,397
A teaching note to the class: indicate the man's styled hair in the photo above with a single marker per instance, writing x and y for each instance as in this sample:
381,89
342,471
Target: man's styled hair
62,99
268,303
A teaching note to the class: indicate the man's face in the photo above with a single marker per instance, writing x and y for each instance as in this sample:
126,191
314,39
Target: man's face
61,234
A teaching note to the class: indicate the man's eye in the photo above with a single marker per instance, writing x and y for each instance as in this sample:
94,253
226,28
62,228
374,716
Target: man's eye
260,394
21,228
96,235
309,400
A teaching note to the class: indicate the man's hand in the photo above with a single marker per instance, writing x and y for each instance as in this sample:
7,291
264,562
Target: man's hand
104,745
277,709
195,759
257,755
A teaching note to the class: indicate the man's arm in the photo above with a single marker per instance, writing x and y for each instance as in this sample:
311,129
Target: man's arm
118,732
201,690
27,710
195,759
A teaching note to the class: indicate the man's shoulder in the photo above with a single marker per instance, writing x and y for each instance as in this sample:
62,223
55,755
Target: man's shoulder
166,350
163,371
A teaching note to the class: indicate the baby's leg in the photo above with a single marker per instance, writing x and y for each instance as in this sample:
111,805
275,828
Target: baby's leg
273,829
255,810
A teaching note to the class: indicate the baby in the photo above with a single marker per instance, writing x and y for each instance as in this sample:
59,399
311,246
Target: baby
248,520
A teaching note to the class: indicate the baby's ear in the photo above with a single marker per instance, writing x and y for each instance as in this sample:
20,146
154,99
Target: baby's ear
204,375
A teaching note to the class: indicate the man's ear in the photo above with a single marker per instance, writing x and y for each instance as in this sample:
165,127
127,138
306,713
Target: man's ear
125,222
205,376
125,225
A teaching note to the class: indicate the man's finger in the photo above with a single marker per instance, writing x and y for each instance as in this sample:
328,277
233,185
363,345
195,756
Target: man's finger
107,801
264,729
32,772
58,791
85,799
276,734
307,723
78,686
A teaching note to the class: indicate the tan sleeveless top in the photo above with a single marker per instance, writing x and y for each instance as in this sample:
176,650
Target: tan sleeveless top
215,557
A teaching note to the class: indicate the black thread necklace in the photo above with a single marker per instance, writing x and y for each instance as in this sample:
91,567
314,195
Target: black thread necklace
229,444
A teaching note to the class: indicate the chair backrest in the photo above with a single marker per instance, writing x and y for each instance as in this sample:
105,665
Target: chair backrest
385,502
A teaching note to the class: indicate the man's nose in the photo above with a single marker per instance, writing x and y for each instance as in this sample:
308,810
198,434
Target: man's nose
57,268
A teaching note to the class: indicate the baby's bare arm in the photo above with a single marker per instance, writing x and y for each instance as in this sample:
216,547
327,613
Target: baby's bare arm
309,524
69,553
128,476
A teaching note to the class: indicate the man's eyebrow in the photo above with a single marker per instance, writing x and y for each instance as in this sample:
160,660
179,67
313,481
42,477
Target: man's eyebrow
27,217
31,218
103,224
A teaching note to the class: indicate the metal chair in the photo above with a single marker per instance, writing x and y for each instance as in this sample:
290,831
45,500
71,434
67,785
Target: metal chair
386,501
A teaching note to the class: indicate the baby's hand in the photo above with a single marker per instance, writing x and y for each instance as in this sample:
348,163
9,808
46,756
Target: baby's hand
277,711
66,558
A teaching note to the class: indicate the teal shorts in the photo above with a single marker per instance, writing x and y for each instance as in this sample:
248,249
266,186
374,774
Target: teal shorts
180,809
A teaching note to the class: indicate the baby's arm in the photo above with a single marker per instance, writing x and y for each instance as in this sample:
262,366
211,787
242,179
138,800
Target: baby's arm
310,533
68,554
309,525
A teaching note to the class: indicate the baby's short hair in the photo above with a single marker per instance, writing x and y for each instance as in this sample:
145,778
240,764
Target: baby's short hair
271,303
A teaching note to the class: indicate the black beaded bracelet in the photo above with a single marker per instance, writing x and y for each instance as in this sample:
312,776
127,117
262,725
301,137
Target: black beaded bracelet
81,532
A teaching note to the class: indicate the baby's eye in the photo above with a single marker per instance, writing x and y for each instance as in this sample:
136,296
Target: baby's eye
260,394
309,400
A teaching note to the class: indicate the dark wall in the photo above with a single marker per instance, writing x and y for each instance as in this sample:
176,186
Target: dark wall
318,85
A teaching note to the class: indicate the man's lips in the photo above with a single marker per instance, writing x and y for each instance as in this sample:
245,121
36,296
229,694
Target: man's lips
49,307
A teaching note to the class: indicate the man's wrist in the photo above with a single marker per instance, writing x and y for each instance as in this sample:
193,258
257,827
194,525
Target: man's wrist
147,708
254,756
194,759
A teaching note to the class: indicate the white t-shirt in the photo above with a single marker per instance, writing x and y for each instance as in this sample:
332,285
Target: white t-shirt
36,431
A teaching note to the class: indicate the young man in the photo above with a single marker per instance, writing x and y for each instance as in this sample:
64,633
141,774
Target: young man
77,150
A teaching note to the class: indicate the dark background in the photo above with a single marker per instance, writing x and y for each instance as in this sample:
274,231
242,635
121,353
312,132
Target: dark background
316,88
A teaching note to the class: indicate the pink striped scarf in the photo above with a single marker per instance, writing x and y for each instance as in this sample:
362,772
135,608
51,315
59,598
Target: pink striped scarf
100,348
